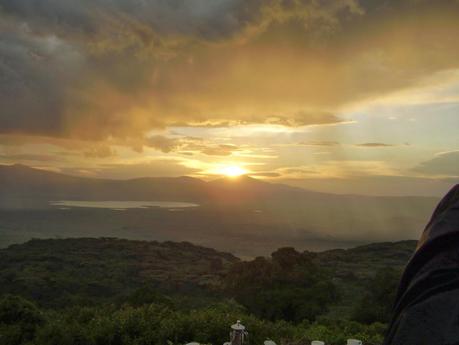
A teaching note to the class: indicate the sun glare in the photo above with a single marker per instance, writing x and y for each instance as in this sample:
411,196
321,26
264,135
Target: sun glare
233,171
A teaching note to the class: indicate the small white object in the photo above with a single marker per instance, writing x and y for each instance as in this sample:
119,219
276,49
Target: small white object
317,342
354,342
269,342
193,343
238,326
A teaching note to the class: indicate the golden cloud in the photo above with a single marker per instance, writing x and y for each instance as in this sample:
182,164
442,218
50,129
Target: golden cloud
118,69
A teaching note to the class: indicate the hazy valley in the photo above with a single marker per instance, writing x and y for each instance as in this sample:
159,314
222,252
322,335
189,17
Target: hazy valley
243,216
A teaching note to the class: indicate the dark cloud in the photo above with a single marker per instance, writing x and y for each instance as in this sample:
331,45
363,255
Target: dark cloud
34,72
299,171
49,87
101,151
304,118
153,168
83,68
97,69
29,157
143,20
219,150
445,164
319,143
265,174
374,145
188,145
298,119
164,144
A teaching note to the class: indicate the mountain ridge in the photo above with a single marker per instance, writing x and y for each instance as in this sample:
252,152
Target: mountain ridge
224,182
247,216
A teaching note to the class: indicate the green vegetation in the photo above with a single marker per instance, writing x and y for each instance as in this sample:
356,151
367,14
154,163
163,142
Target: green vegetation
374,305
111,291
288,287
355,270
84,271
22,323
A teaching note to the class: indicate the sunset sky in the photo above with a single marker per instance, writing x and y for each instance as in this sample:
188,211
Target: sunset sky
342,96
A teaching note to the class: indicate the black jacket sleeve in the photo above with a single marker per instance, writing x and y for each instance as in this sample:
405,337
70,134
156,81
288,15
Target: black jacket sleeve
426,310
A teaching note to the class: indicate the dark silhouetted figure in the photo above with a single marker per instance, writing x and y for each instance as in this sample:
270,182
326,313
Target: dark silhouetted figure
426,310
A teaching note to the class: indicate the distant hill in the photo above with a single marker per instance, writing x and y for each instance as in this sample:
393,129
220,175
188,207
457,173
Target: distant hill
20,181
34,187
245,216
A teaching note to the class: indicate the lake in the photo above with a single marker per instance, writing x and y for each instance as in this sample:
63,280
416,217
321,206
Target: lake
122,205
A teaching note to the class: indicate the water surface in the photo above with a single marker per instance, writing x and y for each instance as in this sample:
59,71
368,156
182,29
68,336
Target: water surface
121,205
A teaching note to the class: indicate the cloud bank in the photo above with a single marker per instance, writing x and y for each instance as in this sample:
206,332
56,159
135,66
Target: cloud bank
117,69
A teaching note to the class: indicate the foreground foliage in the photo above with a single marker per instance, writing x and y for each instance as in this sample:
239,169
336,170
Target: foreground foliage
113,292
288,287
23,323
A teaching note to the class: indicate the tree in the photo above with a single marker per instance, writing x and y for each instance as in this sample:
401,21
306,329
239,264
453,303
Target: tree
376,305
19,320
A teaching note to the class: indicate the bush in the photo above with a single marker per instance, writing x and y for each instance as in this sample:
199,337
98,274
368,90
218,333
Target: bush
376,305
19,320
22,323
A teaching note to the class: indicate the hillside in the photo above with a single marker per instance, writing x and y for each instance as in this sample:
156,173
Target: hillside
25,187
245,216
363,261
57,272
98,291
28,184
354,269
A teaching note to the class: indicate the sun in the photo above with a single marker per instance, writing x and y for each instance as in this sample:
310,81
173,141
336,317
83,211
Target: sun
232,171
